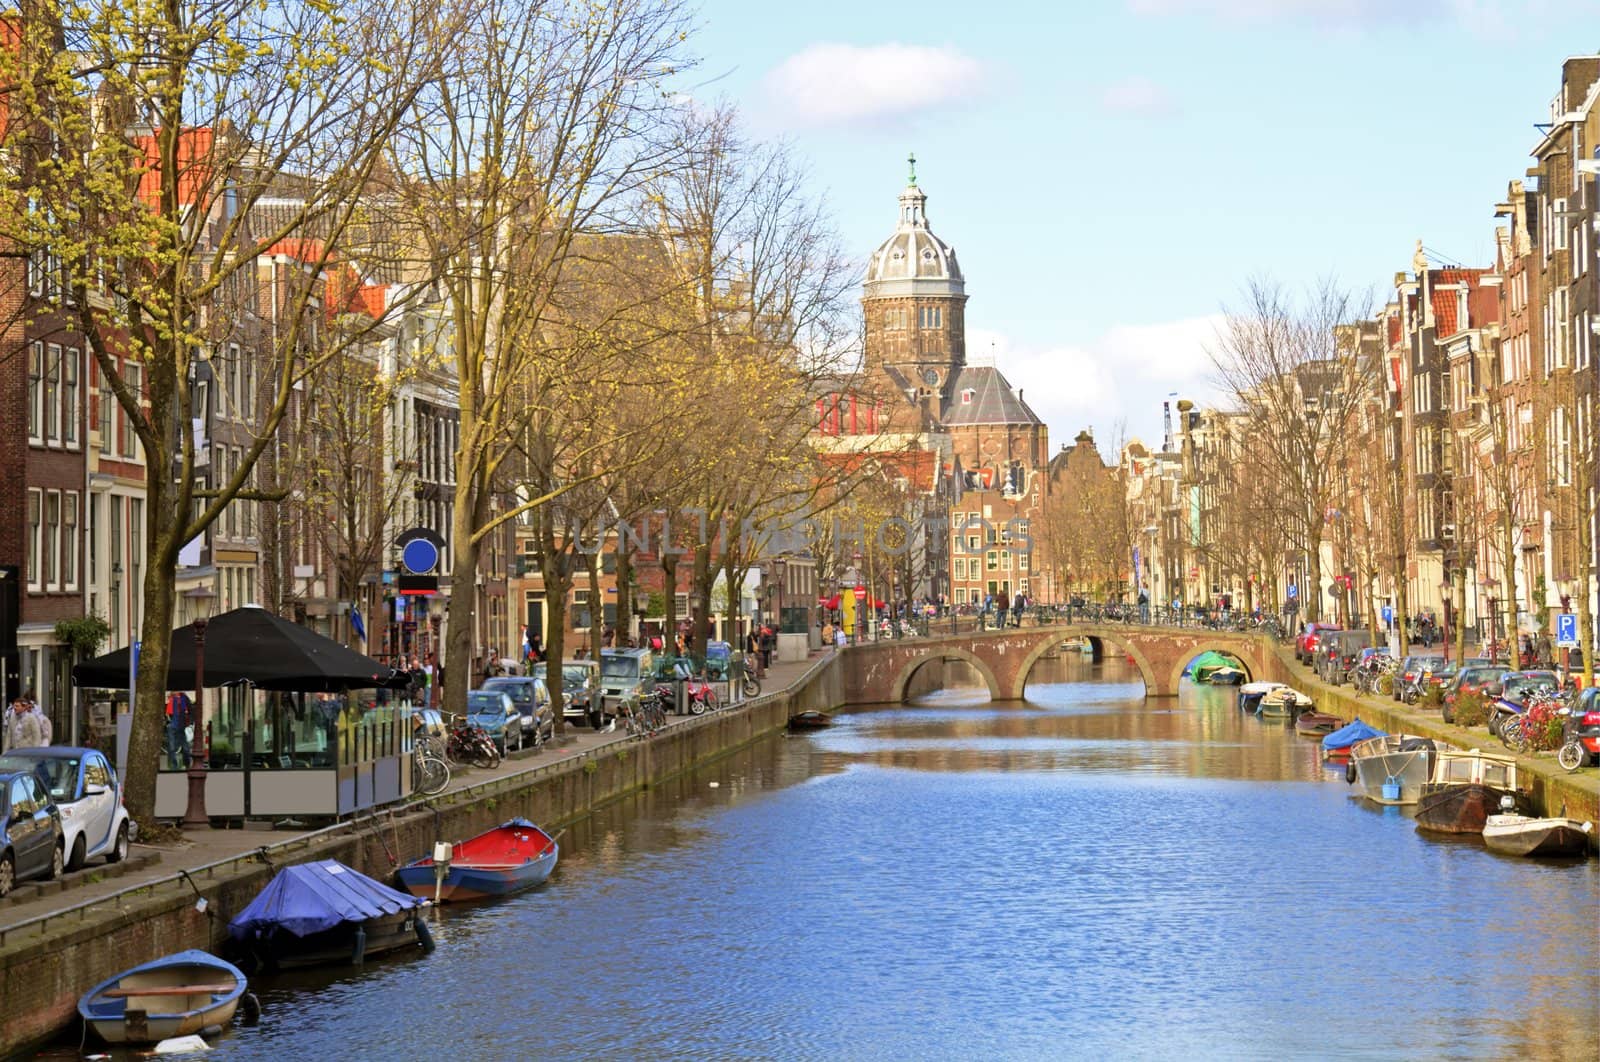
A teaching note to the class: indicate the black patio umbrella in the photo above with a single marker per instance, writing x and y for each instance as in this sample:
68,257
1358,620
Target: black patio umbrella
252,645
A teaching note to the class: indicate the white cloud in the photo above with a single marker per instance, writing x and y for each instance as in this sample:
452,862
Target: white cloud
1115,382
1140,97
1487,19
847,84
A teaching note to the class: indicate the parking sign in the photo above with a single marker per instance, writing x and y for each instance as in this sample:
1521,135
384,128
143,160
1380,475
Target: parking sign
1566,630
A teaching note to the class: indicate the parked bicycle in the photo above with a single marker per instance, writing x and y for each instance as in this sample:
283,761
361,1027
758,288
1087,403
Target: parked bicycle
470,743
430,774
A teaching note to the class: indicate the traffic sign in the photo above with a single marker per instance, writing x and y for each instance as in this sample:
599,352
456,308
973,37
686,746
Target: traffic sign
1388,614
1294,591
1566,630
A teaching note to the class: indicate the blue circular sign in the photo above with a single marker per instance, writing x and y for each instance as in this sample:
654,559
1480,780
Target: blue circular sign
420,556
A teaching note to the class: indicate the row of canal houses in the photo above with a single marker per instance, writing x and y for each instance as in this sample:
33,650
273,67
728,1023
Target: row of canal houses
1477,427
370,442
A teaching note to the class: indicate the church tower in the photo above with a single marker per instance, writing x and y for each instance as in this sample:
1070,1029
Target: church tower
914,303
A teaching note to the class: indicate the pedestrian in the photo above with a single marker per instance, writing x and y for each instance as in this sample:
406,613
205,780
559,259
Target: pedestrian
838,638
827,632
769,642
752,652
178,730
427,683
25,731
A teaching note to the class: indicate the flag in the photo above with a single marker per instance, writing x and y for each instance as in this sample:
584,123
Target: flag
357,625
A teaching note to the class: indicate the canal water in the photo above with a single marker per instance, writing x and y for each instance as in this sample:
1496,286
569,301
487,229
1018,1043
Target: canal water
1082,874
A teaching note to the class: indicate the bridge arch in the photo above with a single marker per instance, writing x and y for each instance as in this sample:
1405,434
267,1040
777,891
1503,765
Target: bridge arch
1252,671
937,654
1147,671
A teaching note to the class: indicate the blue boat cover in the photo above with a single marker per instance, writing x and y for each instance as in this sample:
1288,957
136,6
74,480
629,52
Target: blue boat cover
1349,734
312,897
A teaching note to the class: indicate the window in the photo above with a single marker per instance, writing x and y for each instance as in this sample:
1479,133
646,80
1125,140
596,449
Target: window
69,397
107,401
967,396
931,317
52,392
1005,559
51,550
961,595
70,540
36,392
35,511
133,377
992,560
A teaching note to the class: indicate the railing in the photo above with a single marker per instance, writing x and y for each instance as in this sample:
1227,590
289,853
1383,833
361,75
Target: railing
974,619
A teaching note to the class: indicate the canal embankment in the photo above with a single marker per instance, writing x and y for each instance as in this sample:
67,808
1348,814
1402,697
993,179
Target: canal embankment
1553,790
47,961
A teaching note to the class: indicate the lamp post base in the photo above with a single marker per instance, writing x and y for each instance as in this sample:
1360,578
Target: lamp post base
195,817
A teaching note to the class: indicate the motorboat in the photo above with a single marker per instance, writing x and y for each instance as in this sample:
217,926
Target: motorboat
1316,724
513,856
1226,676
1524,835
323,913
1466,786
1283,702
191,992
1392,768
1250,694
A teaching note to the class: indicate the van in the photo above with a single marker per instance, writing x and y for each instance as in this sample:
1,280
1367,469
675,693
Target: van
625,675
1337,652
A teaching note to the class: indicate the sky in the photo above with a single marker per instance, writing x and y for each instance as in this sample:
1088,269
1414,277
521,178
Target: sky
1112,174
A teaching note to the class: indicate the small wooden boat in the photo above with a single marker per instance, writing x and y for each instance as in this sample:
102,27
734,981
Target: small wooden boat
1337,745
1523,835
513,856
1392,768
1317,724
324,912
810,720
178,995
1250,694
1226,676
1282,702
1467,785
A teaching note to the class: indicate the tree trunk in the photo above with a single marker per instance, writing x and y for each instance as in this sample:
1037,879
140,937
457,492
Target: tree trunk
466,514
556,585
669,587
146,740
701,579
624,590
597,606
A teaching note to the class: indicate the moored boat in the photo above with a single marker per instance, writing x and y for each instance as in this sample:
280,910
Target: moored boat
191,992
1250,694
810,720
513,856
1226,676
1338,743
1392,768
1316,724
1283,701
1523,835
325,912
1466,786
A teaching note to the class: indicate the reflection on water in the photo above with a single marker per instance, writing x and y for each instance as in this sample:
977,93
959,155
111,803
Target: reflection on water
1084,874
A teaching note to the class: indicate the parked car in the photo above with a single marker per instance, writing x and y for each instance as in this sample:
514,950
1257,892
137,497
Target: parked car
497,713
85,788
1472,678
1305,645
625,674
532,698
1518,686
32,844
580,681
1336,653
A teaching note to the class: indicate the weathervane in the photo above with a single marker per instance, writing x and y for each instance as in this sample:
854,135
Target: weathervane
911,161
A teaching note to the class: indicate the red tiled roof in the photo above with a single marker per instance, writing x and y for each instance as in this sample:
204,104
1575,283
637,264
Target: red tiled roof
919,467
1483,303
194,167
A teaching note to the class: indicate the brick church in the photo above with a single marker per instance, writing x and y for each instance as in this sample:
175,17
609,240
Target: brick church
985,449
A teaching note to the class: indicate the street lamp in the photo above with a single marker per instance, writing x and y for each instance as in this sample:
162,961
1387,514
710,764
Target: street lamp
1491,587
200,599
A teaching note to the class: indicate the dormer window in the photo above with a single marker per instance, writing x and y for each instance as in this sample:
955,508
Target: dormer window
967,395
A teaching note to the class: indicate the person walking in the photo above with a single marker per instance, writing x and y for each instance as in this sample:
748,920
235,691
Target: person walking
28,728
427,683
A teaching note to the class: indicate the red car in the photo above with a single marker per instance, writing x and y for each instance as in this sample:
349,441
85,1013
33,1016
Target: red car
1468,680
1305,645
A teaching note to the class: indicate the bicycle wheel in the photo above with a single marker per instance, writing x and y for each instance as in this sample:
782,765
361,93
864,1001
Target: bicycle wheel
1511,735
1571,756
752,688
433,775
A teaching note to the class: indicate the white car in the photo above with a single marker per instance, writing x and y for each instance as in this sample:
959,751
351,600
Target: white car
85,787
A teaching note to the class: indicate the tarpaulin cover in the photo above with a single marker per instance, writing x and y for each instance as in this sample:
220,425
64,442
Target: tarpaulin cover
312,897
1349,734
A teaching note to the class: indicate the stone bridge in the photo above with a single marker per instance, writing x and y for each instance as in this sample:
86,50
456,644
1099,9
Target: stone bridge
878,672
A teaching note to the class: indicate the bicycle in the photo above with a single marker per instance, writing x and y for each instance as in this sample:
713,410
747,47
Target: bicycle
430,773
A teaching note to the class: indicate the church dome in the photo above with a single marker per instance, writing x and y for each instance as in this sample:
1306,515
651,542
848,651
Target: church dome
913,261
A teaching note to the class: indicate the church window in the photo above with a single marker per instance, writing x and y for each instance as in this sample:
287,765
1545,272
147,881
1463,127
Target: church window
932,317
